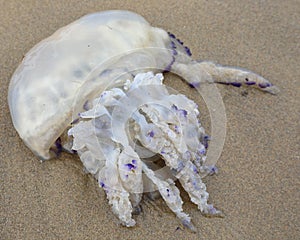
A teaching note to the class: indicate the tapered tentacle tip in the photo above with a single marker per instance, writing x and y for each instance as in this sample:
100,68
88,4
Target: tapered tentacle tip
189,225
211,211
272,89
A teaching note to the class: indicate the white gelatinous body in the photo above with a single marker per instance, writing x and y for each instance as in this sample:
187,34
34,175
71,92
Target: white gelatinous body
102,67
43,88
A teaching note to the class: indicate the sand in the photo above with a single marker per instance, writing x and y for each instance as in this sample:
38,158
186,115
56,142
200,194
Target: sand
258,182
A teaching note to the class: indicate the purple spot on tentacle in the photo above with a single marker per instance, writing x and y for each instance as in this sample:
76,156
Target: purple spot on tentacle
264,85
180,166
86,105
171,35
134,161
183,112
206,138
212,210
151,134
195,170
250,83
76,120
196,185
236,84
168,68
168,191
211,170
224,83
102,184
132,165
188,51
176,128
103,94
174,107
181,42
173,45
194,84
202,151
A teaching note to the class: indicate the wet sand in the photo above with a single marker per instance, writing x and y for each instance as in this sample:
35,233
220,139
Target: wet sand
258,182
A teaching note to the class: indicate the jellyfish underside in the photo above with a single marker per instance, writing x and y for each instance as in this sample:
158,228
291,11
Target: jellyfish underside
140,118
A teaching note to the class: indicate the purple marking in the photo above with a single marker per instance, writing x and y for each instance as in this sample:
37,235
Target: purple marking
188,51
151,134
132,165
207,138
195,170
196,184
264,85
183,112
250,83
236,84
85,105
168,68
194,84
176,128
181,42
103,94
224,83
212,210
134,161
75,121
211,170
180,166
173,45
205,141
162,152
171,35
102,184
174,107
202,151
168,192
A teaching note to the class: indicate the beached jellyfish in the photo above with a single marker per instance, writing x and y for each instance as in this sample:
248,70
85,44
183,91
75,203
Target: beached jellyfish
95,88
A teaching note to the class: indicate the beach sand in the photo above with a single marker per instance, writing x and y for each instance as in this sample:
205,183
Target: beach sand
257,186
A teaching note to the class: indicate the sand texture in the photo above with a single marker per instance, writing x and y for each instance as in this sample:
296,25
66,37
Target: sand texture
258,182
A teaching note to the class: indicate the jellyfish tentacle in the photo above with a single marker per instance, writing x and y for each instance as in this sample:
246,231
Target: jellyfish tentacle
197,72
178,153
171,195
